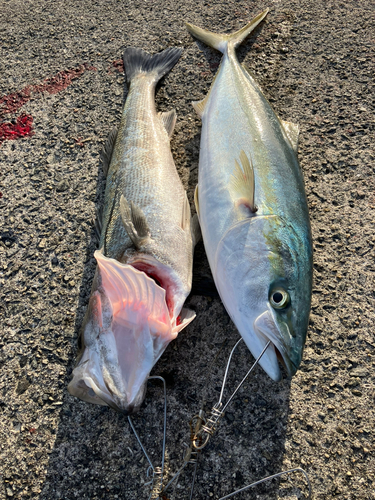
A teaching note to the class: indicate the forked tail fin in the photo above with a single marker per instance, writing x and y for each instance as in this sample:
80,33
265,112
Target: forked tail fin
221,42
137,61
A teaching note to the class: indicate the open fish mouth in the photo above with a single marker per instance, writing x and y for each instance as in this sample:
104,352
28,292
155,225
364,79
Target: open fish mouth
266,327
88,384
126,329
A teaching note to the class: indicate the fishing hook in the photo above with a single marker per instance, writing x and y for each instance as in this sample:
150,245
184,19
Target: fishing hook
203,435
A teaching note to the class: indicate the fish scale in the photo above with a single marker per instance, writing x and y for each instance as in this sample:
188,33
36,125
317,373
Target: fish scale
143,175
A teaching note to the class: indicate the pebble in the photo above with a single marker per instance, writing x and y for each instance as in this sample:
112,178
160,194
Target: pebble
63,185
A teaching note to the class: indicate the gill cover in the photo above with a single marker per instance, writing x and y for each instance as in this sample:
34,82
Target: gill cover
126,329
256,261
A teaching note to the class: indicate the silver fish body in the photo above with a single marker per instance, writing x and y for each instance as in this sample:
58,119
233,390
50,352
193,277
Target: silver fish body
253,211
144,267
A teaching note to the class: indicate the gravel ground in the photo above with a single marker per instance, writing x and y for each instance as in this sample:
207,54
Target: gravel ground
315,62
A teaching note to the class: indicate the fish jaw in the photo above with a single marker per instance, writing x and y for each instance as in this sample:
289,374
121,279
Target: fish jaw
126,329
266,326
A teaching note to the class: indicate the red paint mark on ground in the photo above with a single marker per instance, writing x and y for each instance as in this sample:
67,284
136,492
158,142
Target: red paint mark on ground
118,64
52,85
22,127
62,80
11,103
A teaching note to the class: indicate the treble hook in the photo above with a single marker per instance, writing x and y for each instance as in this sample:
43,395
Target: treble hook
157,472
203,435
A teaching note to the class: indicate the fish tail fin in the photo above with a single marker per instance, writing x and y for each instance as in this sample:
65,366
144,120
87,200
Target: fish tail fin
137,61
222,42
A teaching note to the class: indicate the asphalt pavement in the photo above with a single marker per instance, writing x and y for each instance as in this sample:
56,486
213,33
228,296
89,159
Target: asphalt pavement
62,89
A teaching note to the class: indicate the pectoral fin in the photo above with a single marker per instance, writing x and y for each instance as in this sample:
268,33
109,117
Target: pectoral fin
242,183
134,222
292,131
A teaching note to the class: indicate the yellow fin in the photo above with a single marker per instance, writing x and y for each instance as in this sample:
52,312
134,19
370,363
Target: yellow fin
242,183
221,41
292,131
199,106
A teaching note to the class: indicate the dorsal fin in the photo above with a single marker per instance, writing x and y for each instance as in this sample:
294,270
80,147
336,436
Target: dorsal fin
292,131
107,151
98,224
168,119
200,106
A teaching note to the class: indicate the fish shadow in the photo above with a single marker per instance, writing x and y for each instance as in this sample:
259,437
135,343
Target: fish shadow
95,454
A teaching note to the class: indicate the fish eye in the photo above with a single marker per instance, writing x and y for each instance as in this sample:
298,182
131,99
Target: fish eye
279,298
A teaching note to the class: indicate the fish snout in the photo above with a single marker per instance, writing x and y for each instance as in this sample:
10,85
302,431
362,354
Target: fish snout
93,385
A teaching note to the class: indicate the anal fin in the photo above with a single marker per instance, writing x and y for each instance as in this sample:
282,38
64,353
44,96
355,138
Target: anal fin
135,223
186,214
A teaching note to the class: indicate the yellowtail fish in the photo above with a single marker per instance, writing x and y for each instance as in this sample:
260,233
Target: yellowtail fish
252,210
144,265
